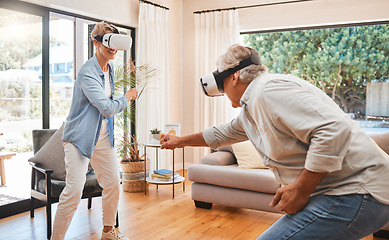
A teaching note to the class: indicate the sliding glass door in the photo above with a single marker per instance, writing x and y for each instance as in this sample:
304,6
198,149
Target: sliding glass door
20,98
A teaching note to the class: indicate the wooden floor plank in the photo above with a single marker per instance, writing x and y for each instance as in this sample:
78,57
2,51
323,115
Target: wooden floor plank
156,216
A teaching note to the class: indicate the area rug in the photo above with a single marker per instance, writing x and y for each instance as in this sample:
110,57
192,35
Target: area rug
5,199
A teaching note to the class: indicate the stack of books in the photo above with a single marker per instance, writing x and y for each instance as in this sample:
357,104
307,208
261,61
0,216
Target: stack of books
164,175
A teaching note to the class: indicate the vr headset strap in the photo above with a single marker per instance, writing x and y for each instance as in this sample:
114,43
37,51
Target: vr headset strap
242,64
99,38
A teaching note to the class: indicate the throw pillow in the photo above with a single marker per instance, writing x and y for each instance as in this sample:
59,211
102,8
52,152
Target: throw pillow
52,155
247,156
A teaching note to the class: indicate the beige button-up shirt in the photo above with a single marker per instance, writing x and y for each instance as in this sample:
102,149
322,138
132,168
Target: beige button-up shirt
294,125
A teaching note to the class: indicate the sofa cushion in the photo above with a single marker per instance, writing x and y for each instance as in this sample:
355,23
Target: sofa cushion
259,180
219,158
51,155
247,156
232,197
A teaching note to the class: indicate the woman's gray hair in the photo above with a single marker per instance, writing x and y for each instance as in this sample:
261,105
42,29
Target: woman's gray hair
233,56
102,28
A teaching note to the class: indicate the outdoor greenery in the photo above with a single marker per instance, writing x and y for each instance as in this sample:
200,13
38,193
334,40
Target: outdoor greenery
21,91
18,86
18,51
21,95
338,60
59,105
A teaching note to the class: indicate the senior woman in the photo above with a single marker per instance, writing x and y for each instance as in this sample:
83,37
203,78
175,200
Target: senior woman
334,178
88,138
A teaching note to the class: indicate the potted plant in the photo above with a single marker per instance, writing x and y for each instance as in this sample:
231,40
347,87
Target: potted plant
155,135
132,163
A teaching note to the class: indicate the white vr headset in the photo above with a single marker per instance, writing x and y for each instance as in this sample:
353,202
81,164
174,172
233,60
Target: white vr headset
212,83
115,40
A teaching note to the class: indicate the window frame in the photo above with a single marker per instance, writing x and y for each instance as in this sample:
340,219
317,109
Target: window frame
340,25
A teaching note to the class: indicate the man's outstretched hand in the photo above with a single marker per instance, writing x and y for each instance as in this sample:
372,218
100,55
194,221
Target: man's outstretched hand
173,142
170,142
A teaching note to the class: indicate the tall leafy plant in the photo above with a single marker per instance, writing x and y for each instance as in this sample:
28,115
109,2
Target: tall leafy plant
129,76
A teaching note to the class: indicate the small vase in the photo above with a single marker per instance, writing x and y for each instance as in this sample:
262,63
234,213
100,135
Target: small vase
155,138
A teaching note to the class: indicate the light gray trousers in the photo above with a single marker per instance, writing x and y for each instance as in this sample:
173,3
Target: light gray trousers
105,165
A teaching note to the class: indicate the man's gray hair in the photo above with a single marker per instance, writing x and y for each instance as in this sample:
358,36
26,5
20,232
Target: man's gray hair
233,56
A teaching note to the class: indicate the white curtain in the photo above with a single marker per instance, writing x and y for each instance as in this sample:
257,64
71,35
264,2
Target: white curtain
215,32
152,49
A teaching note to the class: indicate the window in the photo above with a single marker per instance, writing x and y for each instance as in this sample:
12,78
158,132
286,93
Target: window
346,62
20,95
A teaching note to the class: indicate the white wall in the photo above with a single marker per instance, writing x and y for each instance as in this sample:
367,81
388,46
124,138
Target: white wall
314,13
116,11
292,15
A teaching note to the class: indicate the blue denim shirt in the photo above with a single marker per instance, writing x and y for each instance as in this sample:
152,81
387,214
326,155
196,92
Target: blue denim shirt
88,107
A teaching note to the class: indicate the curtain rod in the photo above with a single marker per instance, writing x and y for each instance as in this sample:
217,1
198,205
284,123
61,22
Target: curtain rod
251,6
154,4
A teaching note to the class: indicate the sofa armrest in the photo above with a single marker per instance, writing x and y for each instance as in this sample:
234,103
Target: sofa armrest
219,158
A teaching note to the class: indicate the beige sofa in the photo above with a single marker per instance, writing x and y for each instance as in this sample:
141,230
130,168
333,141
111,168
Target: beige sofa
219,180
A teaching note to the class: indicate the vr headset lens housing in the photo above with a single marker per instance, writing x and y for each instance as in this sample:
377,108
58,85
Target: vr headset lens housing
212,83
115,40
211,86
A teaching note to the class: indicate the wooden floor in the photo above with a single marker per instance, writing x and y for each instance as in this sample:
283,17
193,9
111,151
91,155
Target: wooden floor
151,217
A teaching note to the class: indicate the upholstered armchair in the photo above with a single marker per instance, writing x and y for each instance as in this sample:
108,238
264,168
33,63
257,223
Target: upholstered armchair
48,173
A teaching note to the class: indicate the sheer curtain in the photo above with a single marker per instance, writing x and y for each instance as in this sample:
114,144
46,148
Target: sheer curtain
214,32
152,48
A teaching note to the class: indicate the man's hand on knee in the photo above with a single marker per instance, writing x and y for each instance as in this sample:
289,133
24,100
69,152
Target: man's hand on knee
290,199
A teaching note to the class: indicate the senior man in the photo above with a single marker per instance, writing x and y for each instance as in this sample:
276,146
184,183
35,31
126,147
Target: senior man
334,178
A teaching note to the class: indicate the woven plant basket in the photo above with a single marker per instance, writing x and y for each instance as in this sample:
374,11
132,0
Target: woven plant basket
134,176
134,186
135,166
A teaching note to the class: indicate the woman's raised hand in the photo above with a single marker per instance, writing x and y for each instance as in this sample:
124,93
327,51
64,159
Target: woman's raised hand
131,94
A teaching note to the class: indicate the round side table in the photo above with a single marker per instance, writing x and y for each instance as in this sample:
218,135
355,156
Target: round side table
172,181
